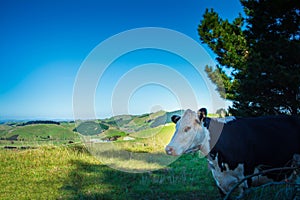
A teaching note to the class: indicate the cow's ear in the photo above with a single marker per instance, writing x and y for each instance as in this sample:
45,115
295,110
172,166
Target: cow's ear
202,113
175,118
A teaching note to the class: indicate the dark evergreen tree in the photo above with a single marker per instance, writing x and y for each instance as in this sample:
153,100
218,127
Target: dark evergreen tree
262,55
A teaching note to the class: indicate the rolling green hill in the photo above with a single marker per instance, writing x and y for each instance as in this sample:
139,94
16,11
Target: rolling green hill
91,128
134,123
41,131
140,127
4,130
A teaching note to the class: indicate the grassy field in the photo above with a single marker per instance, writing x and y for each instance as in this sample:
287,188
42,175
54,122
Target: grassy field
59,166
37,134
52,172
70,172
56,169
138,155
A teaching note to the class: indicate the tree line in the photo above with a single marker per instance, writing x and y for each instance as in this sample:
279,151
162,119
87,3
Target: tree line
39,122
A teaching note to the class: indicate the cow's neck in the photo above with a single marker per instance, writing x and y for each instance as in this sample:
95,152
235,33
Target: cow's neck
212,130
212,135
205,145
215,130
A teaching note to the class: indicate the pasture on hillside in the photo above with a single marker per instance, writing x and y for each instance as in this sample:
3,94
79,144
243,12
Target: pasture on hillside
58,165
57,169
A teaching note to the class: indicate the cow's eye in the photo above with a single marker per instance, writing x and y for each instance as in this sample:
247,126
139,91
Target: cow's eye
186,129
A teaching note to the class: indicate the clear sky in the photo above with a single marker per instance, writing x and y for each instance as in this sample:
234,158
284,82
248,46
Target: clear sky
44,43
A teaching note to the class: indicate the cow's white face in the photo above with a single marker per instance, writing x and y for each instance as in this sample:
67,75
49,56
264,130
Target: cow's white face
190,135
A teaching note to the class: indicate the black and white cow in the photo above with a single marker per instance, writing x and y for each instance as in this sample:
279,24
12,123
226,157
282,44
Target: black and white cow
237,147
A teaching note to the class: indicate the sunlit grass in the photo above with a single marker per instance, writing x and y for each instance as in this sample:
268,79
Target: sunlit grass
36,173
51,172
139,155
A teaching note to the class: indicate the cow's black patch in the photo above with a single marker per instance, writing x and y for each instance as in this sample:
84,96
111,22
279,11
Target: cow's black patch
265,142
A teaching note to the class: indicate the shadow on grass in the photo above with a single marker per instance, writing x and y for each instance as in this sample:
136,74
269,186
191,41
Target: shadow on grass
134,162
187,178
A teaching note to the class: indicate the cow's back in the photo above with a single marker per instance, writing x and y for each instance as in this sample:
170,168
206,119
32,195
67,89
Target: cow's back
265,142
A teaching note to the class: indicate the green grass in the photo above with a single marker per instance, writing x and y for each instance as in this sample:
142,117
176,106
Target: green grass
139,121
213,115
131,123
38,134
71,173
141,154
64,171
148,132
4,130
41,131
157,114
152,140
113,132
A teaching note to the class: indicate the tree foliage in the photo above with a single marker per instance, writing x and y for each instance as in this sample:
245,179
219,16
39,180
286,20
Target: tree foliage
222,112
258,57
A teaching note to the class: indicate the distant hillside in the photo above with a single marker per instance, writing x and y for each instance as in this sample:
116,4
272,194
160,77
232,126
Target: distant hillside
165,118
36,132
133,123
118,127
91,128
39,122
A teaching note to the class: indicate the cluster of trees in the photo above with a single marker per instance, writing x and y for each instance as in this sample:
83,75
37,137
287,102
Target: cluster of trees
39,122
112,138
258,57
91,128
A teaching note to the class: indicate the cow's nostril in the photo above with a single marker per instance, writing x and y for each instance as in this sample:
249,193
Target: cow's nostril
169,150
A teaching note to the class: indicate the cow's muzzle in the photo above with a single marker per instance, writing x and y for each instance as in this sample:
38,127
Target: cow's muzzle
170,151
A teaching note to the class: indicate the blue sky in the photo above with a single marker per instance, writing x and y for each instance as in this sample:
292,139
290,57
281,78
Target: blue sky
44,43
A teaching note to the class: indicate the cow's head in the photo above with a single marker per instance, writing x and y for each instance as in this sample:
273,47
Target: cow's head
190,134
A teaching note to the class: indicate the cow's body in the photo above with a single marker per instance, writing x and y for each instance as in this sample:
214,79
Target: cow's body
239,147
